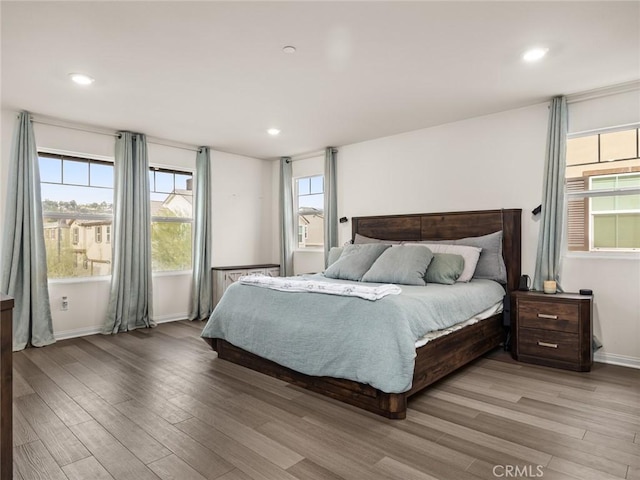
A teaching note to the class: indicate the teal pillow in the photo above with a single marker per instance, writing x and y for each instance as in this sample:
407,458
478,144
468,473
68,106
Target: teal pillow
401,264
355,261
445,268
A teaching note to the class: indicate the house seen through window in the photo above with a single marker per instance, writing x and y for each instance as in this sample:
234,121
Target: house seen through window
77,206
603,191
309,197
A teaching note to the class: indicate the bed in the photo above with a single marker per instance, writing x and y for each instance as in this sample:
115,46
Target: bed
439,356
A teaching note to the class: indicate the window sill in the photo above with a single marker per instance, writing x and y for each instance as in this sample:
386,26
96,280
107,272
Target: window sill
171,273
598,255
309,250
72,280
107,278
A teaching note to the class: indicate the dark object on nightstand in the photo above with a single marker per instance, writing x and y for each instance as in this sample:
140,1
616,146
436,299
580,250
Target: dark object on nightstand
524,284
586,291
553,330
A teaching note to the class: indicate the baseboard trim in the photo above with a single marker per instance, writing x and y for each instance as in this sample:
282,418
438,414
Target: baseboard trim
76,332
85,331
613,359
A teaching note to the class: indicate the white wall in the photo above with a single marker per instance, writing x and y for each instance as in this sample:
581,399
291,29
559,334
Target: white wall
242,223
242,210
491,162
614,278
488,162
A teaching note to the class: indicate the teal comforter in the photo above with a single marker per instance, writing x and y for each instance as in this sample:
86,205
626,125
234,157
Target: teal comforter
371,342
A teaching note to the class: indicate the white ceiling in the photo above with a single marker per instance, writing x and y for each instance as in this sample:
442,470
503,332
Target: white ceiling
213,73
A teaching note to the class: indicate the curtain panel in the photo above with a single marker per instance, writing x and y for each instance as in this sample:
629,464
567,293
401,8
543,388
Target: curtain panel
24,259
287,218
330,202
202,291
130,297
550,236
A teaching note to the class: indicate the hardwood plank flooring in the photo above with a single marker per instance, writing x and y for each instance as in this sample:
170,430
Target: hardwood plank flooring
158,404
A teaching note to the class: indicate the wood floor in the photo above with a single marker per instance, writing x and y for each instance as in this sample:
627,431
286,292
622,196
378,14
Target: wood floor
156,403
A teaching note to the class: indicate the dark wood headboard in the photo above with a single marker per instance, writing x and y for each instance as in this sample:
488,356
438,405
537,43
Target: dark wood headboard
449,226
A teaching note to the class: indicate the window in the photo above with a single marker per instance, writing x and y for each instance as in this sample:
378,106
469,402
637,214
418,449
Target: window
603,191
171,219
77,201
77,205
309,196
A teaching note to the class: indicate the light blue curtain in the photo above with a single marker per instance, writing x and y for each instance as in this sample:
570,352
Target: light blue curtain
287,218
201,292
24,258
130,298
551,224
330,202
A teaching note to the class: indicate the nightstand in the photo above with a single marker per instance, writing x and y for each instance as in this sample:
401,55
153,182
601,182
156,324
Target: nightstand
553,329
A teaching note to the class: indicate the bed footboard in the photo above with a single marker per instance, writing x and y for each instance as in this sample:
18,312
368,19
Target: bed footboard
390,405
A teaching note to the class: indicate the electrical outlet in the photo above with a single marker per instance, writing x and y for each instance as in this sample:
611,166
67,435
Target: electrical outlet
65,304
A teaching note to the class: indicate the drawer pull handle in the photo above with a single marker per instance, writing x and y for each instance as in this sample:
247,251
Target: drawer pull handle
550,345
544,315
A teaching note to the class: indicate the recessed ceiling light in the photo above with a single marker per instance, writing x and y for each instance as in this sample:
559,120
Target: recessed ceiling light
289,49
534,54
81,78
273,131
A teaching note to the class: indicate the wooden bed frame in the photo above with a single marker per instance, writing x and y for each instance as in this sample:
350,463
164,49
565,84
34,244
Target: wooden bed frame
437,358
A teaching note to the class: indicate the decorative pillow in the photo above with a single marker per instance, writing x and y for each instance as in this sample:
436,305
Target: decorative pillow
491,264
355,261
402,264
361,240
445,268
470,255
334,255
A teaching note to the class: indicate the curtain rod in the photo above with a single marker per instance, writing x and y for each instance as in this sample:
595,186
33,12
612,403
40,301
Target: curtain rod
151,140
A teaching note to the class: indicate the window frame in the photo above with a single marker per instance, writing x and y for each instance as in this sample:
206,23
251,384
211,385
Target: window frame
164,219
573,193
108,232
296,207
74,217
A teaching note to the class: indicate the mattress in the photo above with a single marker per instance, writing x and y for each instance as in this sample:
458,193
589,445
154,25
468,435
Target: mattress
489,312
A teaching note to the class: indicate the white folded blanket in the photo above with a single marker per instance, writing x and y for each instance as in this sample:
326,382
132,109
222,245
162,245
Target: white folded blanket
288,284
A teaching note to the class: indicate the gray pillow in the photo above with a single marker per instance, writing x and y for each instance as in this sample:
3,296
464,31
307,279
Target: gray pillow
334,255
402,264
445,268
491,264
361,240
355,261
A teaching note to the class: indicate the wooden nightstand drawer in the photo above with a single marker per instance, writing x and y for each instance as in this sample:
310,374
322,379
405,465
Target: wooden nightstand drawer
561,317
549,344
